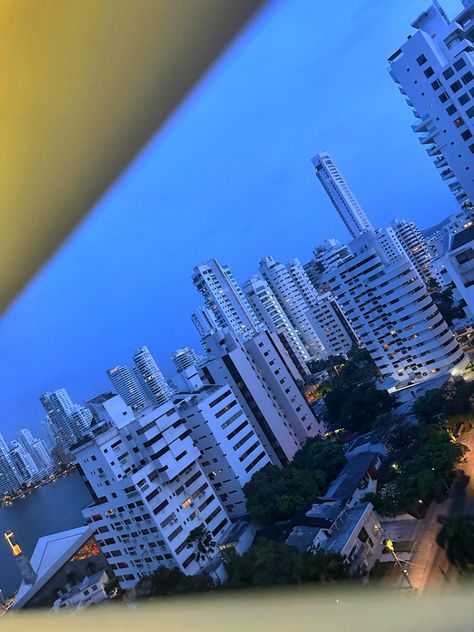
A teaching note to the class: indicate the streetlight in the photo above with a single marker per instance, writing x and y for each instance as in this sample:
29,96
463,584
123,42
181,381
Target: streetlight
390,546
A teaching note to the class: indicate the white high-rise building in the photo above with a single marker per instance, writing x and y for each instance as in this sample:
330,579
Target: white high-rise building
459,265
225,299
23,462
128,386
264,379
204,321
68,421
293,303
149,493
414,245
184,358
332,327
392,314
10,479
341,196
231,451
36,449
152,378
434,68
268,309
299,276
327,256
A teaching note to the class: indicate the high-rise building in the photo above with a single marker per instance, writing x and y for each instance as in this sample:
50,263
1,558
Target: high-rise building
204,321
151,377
10,479
36,449
327,256
414,245
128,386
341,196
68,421
23,462
458,263
392,314
264,379
434,68
184,358
293,303
225,299
149,493
302,281
269,311
231,451
332,327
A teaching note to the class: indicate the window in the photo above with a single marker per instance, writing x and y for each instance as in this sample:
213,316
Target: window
467,135
459,122
436,84
464,98
457,85
448,73
467,78
460,63
451,109
470,112
429,72
443,97
471,147
421,60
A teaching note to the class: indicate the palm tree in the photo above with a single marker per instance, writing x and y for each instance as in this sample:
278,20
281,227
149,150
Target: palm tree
200,539
457,538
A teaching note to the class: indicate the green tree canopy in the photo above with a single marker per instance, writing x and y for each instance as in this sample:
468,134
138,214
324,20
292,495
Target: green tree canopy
430,406
321,454
273,494
457,538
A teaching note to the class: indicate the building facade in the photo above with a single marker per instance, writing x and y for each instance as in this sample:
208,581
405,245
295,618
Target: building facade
434,69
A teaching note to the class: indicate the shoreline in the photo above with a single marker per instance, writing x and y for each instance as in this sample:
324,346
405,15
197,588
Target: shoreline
9,500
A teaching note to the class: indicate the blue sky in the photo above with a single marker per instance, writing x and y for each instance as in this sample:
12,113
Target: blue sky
229,176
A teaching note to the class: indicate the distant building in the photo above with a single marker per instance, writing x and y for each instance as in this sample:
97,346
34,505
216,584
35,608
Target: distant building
151,377
332,327
415,246
127,385
434,69
184,358
344,201
225,299
10,478
68,421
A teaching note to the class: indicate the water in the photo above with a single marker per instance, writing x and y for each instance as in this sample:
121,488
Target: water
53,507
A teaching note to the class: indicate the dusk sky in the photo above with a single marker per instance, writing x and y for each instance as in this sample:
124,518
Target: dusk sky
229,176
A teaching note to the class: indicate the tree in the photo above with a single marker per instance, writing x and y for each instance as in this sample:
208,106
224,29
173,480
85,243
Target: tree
320,454
273,494
170,581
200,540
357,407
429,408
457,538
267,563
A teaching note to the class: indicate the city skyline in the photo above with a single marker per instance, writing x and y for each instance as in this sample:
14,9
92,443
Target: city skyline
43,349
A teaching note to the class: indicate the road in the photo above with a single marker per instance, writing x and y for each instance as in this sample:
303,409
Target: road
429,568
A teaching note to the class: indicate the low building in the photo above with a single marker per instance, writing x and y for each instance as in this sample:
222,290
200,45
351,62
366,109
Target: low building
90,591
60,562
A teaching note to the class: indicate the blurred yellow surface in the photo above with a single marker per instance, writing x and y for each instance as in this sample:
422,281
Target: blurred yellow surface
83,84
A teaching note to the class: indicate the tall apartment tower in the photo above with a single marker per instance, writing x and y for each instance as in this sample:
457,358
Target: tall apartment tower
392,314
435,71
293,303
184,358
332,326
10,479
149,492
302,281
225,299
68,421
264,379
151,377
128,386
231,451
268,309
414,245
344,201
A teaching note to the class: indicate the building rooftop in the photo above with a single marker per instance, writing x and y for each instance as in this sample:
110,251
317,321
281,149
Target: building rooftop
345,529
100,399
351,476
324,512
50,554
302,537
462,238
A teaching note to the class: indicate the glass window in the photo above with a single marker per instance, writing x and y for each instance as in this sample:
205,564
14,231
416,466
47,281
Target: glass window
464,98
448,73
451,109
467,78
459,121
467,134
443,97
457,85
470,112
421,60
460,63
436,84
429,72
